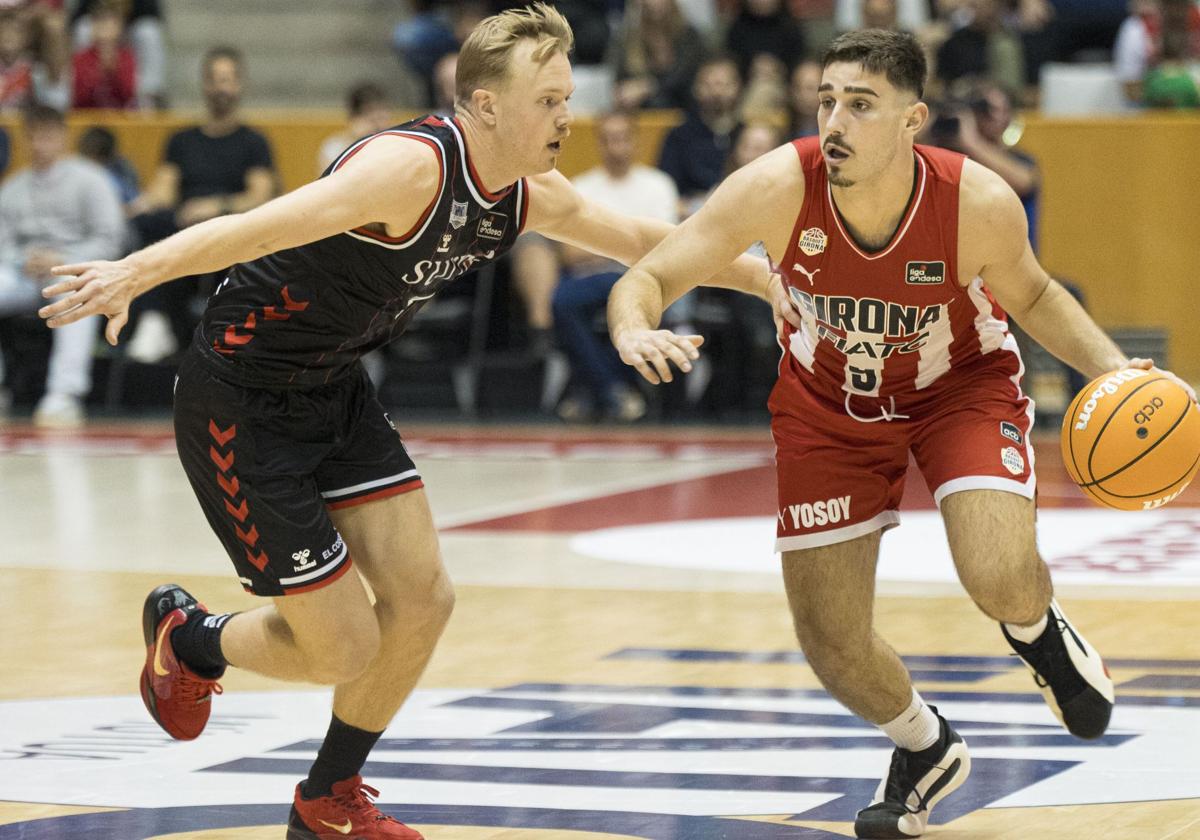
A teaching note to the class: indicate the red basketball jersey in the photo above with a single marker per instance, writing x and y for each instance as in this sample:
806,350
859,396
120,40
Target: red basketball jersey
895,323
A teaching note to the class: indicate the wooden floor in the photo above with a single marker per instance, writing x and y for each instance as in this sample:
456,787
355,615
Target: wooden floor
620,664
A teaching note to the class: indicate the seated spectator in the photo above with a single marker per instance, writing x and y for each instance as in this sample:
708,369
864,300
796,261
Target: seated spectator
105,74
367,111
1171,84
220,167
436,28
99,145
974,124
25,76
656,56
764,26
444,84
605,387
984,48
909,15
694,153
766,88
143,25
62,209
803,99
1139,43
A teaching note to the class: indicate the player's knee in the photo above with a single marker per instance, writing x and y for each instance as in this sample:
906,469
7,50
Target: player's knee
1014,590
344,658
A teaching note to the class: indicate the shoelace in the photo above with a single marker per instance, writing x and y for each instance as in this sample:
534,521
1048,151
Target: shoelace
197,690
894,791
360,801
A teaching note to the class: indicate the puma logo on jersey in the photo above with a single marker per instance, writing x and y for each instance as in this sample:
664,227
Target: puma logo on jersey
806,272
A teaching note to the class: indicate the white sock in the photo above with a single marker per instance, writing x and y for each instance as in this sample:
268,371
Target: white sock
1030,634
916,728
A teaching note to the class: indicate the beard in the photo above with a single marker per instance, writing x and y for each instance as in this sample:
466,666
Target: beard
221,104
837,179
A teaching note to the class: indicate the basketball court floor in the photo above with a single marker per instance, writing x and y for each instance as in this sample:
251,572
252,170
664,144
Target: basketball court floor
620,665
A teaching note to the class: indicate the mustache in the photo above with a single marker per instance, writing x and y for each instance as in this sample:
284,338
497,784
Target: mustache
833,141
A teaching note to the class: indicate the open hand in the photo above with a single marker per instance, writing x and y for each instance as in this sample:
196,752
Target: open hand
1148,364
652,352
91,288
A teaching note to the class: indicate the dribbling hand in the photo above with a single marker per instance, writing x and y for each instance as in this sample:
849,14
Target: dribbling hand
652,352
782,308
92,288
1148,364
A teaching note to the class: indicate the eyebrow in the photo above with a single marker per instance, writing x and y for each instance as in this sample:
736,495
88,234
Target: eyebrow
848,89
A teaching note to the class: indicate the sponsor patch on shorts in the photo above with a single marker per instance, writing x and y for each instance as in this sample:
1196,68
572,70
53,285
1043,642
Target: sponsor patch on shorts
1010,431
1013,460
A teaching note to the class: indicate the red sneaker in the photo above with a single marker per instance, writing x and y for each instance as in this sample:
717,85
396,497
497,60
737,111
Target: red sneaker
177,698
346,814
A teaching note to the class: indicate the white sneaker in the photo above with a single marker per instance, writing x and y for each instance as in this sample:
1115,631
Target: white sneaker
59,411
153,340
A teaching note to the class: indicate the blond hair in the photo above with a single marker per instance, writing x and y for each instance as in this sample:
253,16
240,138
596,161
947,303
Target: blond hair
487,53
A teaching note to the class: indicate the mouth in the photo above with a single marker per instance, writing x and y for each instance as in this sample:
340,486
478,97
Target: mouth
836,155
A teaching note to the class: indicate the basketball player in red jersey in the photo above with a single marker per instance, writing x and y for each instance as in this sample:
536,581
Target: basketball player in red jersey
893,261
297,468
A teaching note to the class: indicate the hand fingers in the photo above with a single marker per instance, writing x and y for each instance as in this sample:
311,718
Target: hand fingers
662,367
1140,364
639,364
71,284
60,307
681,357
784,309
70,315
115,323
62,270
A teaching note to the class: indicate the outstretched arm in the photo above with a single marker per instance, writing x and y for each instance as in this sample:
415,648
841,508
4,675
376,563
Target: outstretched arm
391,181
992,214
746,208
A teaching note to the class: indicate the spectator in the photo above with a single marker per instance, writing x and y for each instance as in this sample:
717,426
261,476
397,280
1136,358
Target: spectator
209,170
367,111
984,48
765,26
803,99
444,84
656,56
144,26
25,76
607,386
975,125
909,15
99,145
1170,84
1140,39
437,28
694,153
766,91
62,209
105,74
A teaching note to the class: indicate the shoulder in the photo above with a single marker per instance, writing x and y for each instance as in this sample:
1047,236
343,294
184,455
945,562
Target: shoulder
990,214
778,173
396,159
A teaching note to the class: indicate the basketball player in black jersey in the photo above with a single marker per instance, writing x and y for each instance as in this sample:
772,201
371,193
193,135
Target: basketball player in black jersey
295,464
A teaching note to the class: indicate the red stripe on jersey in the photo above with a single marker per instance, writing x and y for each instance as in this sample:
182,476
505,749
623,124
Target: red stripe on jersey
475,175
397,240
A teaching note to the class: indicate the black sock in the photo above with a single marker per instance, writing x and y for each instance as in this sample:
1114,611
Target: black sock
341,756
197,643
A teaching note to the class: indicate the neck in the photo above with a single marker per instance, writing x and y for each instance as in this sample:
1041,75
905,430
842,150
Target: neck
489,160
217,126
874,208
44,165
721,122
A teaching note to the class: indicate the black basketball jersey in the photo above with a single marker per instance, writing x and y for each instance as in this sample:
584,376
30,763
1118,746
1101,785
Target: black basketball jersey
304,315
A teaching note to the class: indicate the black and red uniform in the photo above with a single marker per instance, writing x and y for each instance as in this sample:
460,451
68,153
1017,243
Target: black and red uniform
275,419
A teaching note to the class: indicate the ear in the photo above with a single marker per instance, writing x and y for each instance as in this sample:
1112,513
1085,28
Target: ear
916,117
483,104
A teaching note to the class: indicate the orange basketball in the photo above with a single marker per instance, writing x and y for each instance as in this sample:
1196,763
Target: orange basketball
1131,439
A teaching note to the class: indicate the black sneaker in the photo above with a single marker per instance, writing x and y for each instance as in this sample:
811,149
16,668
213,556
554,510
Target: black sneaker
916,781
1070,674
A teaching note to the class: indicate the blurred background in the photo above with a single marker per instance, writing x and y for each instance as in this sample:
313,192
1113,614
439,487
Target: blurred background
125,120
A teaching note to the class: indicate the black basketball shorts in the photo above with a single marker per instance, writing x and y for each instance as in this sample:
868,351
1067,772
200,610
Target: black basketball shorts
269,464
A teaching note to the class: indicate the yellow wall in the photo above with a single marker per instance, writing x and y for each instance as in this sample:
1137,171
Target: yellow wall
1120,212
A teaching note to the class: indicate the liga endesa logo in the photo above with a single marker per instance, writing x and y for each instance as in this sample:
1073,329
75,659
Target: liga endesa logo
663,763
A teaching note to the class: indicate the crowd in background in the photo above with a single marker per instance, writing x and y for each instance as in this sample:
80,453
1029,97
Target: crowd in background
743,74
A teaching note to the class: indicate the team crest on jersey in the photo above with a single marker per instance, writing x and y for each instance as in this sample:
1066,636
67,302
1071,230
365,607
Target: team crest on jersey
458,214
813,241
925,273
